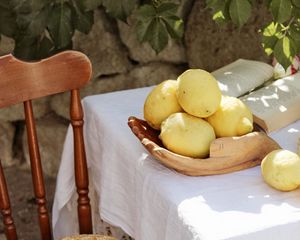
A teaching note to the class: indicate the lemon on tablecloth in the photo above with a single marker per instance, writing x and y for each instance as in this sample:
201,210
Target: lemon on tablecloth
281,170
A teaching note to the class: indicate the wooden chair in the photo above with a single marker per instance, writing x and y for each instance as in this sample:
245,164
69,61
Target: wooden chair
24,81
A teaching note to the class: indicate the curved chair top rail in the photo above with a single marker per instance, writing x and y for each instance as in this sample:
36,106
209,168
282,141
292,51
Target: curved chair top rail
22,81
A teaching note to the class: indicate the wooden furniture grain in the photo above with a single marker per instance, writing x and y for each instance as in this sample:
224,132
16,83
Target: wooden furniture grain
24,81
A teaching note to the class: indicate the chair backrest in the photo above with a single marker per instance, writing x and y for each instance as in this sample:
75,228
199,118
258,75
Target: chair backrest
23,81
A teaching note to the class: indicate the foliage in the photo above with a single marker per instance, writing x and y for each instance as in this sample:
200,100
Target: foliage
281,37
43,27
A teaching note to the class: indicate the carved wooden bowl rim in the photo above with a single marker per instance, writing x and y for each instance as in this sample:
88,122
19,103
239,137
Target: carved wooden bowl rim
196,166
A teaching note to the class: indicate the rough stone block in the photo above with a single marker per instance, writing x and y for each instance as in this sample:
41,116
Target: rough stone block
141,76
51,131
16,112
7,132
103,47
6,45
210,46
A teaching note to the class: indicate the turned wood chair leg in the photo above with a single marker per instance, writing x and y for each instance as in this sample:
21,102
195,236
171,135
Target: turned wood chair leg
9,226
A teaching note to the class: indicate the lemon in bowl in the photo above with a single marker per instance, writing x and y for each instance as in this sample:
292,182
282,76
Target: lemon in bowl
198,92
160,103
233,118
187,135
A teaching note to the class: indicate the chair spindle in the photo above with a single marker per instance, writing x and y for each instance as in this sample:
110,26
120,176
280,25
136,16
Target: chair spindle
81,172
37,172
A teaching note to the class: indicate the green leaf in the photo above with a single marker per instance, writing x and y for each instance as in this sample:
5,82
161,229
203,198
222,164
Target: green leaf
281,10
4,4
26,48
60,25
145,15
219,17
240,11
295,32
159,35
174,26
220,10
83,21
120,9
21,6
213,3
146,12
156,3
33,48
167,9
267,3
296,12
271,34
296,3
141,29
45,48
156,24
285,51
295,35
31,15
28,6
91,4
39,4
8,23
34,24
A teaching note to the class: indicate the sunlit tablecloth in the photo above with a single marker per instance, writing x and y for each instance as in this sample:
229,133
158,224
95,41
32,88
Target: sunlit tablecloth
152,202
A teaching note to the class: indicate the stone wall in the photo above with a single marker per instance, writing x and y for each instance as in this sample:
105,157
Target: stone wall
121,62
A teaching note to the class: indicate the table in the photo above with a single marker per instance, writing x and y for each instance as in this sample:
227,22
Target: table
151,202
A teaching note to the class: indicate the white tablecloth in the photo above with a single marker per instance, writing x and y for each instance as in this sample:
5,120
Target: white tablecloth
152,202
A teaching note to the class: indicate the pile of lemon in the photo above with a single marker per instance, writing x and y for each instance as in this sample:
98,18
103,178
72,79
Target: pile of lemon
191,112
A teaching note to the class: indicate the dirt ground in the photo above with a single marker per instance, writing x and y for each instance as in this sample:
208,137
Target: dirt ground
23,203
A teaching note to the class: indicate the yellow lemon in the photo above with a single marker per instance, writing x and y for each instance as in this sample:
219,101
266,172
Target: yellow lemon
187,135
198,92
281,170
160,103
233,118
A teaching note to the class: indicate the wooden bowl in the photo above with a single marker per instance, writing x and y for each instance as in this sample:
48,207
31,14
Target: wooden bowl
227,154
